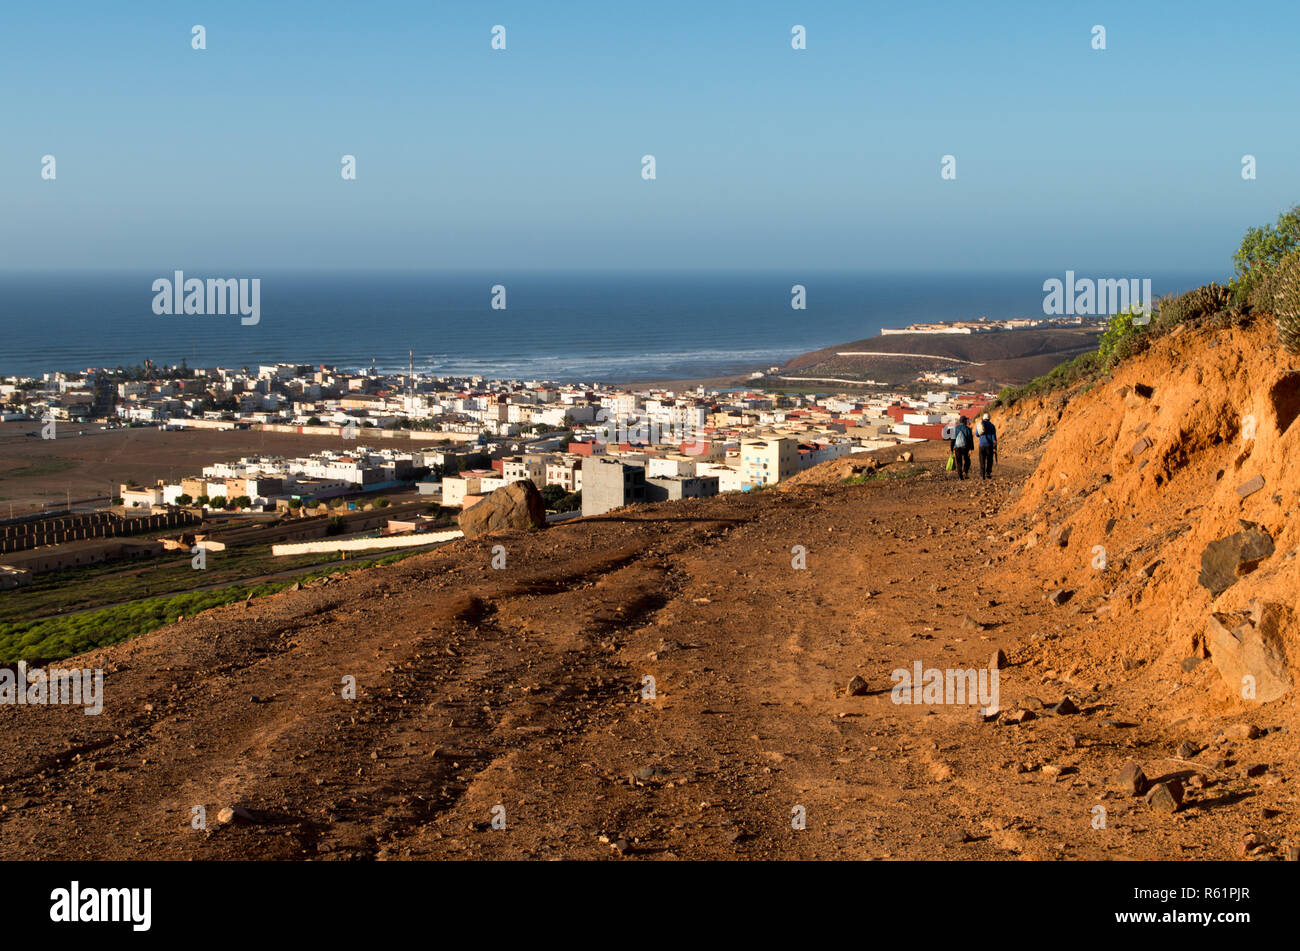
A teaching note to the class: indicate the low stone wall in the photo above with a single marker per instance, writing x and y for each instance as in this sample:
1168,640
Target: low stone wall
365,544
76,528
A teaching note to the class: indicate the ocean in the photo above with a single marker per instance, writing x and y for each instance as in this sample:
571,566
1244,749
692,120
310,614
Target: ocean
606,327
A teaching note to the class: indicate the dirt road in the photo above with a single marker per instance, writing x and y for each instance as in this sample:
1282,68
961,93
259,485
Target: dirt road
519,695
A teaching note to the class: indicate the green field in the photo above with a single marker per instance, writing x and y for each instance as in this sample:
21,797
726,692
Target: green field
26,636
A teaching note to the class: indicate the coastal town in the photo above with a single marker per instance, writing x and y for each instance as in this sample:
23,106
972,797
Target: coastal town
424,448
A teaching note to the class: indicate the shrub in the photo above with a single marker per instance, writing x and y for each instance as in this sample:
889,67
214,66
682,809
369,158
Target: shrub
1261,252
1122,338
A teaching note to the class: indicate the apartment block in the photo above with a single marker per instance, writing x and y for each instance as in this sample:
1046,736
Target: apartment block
566,473
609,484
768,461
680,487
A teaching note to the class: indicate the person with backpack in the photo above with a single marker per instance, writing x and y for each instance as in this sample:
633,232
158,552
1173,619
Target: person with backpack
988,444
963,441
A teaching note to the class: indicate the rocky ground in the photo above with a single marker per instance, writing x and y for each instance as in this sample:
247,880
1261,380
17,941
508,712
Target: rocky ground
519,697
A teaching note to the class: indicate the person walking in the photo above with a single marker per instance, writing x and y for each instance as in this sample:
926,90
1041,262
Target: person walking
963,441
988,445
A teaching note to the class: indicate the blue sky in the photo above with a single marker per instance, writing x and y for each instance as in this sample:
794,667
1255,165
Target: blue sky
1119,161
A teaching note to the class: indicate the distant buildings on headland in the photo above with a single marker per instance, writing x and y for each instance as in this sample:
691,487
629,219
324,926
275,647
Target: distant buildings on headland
984,325
597,447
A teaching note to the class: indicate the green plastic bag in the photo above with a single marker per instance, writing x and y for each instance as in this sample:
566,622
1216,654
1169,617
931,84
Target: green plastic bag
952,462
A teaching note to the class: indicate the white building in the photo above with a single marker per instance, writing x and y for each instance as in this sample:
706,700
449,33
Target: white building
729,479
768,461
668,467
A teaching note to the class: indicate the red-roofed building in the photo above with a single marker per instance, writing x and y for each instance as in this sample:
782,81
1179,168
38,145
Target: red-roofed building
934,431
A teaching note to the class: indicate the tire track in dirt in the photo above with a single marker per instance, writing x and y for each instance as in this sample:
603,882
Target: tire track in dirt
522,688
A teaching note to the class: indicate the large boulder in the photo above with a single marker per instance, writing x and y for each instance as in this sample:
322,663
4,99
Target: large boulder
517,506
1226,560
1251,654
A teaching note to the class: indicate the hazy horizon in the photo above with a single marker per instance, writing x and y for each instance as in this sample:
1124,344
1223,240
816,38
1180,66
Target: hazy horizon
556,324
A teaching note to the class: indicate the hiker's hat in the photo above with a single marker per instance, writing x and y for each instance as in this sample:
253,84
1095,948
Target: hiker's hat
986,415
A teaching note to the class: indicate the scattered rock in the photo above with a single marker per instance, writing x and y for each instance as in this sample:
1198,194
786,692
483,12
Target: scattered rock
1060,596
1186,750
1019,716
1253,649
1241,731
1166,796
1226,560
1131,779
236,814
1250,486
516,506
857,687
998,661
1065,708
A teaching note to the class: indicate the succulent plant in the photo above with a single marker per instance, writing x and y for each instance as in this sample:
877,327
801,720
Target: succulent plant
1286,302
1195,304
